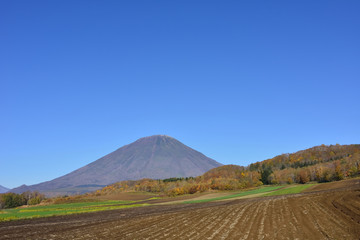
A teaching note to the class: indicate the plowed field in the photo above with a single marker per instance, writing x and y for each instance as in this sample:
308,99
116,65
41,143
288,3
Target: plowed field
324,213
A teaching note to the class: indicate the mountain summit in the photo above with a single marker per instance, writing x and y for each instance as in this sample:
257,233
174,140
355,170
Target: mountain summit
155,157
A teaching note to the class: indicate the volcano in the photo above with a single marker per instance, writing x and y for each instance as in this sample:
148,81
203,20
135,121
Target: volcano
156,157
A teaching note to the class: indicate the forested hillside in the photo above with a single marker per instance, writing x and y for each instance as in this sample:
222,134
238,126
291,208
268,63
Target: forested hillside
320,164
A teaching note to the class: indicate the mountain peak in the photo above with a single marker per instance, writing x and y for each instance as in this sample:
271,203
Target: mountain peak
156,157
156,137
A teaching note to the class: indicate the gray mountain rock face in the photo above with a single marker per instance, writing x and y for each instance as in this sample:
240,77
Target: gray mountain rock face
3,189
156,157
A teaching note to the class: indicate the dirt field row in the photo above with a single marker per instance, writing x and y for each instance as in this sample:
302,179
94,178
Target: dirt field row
329,213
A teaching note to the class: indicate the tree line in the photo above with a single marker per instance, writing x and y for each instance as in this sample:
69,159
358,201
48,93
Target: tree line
11,200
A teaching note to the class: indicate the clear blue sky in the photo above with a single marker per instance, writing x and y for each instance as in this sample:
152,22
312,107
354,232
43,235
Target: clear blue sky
240,81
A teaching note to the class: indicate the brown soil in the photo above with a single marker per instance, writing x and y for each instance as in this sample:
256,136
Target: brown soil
334,185
331,212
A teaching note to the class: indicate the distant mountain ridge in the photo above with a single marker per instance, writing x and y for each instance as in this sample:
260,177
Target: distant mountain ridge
155,157
3,189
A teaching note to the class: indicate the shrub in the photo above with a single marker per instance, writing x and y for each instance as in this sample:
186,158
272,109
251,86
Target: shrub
11,200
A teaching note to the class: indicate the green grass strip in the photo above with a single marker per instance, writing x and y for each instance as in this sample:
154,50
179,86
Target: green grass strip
290,190
241,194
63,209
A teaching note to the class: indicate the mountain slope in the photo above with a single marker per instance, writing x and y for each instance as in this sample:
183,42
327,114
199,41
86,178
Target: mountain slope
3,189
156,157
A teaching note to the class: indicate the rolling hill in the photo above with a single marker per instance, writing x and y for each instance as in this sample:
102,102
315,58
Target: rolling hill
156,157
